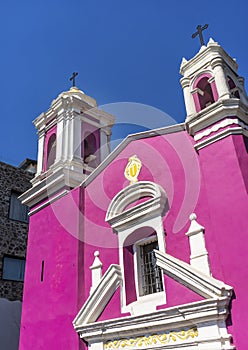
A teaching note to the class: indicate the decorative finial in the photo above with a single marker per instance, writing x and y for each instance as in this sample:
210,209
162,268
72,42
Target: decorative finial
72,78
195,227
192,217
132,169
96,271
199,32
96,254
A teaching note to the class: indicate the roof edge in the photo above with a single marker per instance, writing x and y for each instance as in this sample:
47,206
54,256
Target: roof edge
132,137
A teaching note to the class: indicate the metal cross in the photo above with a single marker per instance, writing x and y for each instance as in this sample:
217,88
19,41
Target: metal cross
199,32
72,78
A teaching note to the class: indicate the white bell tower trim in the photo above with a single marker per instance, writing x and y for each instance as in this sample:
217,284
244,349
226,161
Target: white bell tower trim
79,133
212,88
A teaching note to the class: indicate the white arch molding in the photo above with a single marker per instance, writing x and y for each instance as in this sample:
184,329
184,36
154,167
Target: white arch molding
125,220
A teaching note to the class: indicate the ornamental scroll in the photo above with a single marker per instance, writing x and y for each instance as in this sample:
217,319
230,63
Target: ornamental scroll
152,340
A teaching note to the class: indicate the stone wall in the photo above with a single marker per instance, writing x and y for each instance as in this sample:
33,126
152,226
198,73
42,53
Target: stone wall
13,233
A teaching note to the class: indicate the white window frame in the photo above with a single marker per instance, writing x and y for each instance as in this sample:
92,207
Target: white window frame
125,221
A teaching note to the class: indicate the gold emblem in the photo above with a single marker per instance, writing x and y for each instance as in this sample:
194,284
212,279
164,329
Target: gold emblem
132,169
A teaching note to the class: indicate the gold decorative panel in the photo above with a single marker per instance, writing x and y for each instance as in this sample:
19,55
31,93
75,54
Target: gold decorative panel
152,340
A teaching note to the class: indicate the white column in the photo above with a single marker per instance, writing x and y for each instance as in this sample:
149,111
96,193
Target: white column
199,254
41,143
220,78
70,135
96,271
188,98
105,133
77,137
60,139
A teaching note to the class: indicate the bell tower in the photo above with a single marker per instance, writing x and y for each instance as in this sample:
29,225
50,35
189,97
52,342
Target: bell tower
212,88
73,139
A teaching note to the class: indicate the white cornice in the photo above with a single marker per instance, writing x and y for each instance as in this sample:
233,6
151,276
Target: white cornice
221,135
68,103
223,124
204,56
185,274
231,107
204,314
49,201
63,176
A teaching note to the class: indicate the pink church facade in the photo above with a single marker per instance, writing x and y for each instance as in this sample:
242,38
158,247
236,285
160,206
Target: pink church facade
145,248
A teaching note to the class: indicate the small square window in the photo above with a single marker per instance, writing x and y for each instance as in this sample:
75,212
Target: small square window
13,268
150,274
17,210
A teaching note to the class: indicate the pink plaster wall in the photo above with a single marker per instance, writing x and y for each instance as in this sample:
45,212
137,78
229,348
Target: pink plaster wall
211,183
223,169
49,307
167,169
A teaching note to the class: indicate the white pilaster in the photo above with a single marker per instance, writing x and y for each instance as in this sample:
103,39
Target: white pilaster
66,114
188,98
199,254
41,143
220,78
71,136
60,139
105,133
77,137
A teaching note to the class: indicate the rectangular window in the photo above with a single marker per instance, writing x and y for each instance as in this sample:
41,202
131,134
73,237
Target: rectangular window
17,210
13,268
150,273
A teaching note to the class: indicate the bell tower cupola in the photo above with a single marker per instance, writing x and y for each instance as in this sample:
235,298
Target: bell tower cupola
73,139
212,88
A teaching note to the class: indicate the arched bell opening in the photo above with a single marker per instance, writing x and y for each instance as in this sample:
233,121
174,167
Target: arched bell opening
205,93
234,91
89,149
51,151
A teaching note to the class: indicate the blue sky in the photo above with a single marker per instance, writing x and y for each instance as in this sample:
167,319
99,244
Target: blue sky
124,51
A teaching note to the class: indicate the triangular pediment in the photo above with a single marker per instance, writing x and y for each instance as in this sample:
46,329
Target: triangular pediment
99,297
187,317
185,274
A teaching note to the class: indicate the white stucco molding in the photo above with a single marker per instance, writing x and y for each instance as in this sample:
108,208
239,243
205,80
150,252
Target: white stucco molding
216,112
208,316
221,135
199,254
57,179
180,271
206,54
126,221
99,297
223,124
117,216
